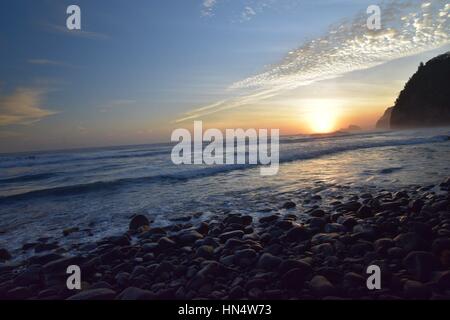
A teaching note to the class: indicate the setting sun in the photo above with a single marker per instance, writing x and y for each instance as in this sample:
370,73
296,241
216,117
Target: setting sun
322,116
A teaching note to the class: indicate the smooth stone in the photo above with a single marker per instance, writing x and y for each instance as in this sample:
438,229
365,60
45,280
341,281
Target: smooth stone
68,231
318,213
94,294
325,249
205,251
61,265
364,212
268,262
420,264
189,237
410,241
416,290
231,234
133,293
321,287
245,257
353,280
295,278
289,205
290,264
334,228
19,293
298,233
236,293
316,223
383,245
269,219
165,243
138,221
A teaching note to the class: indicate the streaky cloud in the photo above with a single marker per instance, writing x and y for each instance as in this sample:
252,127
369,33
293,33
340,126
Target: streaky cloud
408,28
23,107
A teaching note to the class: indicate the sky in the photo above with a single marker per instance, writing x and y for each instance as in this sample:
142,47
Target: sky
139,69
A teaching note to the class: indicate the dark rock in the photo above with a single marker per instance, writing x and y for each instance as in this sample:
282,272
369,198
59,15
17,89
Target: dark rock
268,262
295,278
334,228
410,241
165,243
441,249
420,264
321,287
353,280
139,221
416,290
352,206
231,234
32,275
236,293
41,247
4,255
61,265
69,231
297,233
324,249
443,280
288,265
203,228
205,251
318,213
416,205
94,294
289,205
19,293
364,212
316,223
383,245
245,257
348,222
268,219
188,237
396,253
133,293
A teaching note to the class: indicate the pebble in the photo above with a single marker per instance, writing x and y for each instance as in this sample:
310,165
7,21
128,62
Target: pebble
138,221
94,294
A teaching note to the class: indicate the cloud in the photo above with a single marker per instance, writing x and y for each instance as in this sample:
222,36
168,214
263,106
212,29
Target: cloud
408,28
23,107
208,7
46,62
77,33
248,13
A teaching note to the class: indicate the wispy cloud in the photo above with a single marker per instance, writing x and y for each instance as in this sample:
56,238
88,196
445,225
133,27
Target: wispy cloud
47,62
23,106
208,7
248,13
408,28
76,33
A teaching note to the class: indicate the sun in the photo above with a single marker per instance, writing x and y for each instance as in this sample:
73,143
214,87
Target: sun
322,115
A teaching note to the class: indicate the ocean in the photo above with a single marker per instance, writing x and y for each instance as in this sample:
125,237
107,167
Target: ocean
98,190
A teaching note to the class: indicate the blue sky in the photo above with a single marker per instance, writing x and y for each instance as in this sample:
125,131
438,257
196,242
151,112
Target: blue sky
139,66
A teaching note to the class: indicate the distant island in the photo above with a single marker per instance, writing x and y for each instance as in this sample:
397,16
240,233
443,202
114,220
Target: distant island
425,100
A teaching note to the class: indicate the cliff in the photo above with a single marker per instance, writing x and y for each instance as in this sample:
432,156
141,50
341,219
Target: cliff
425,99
